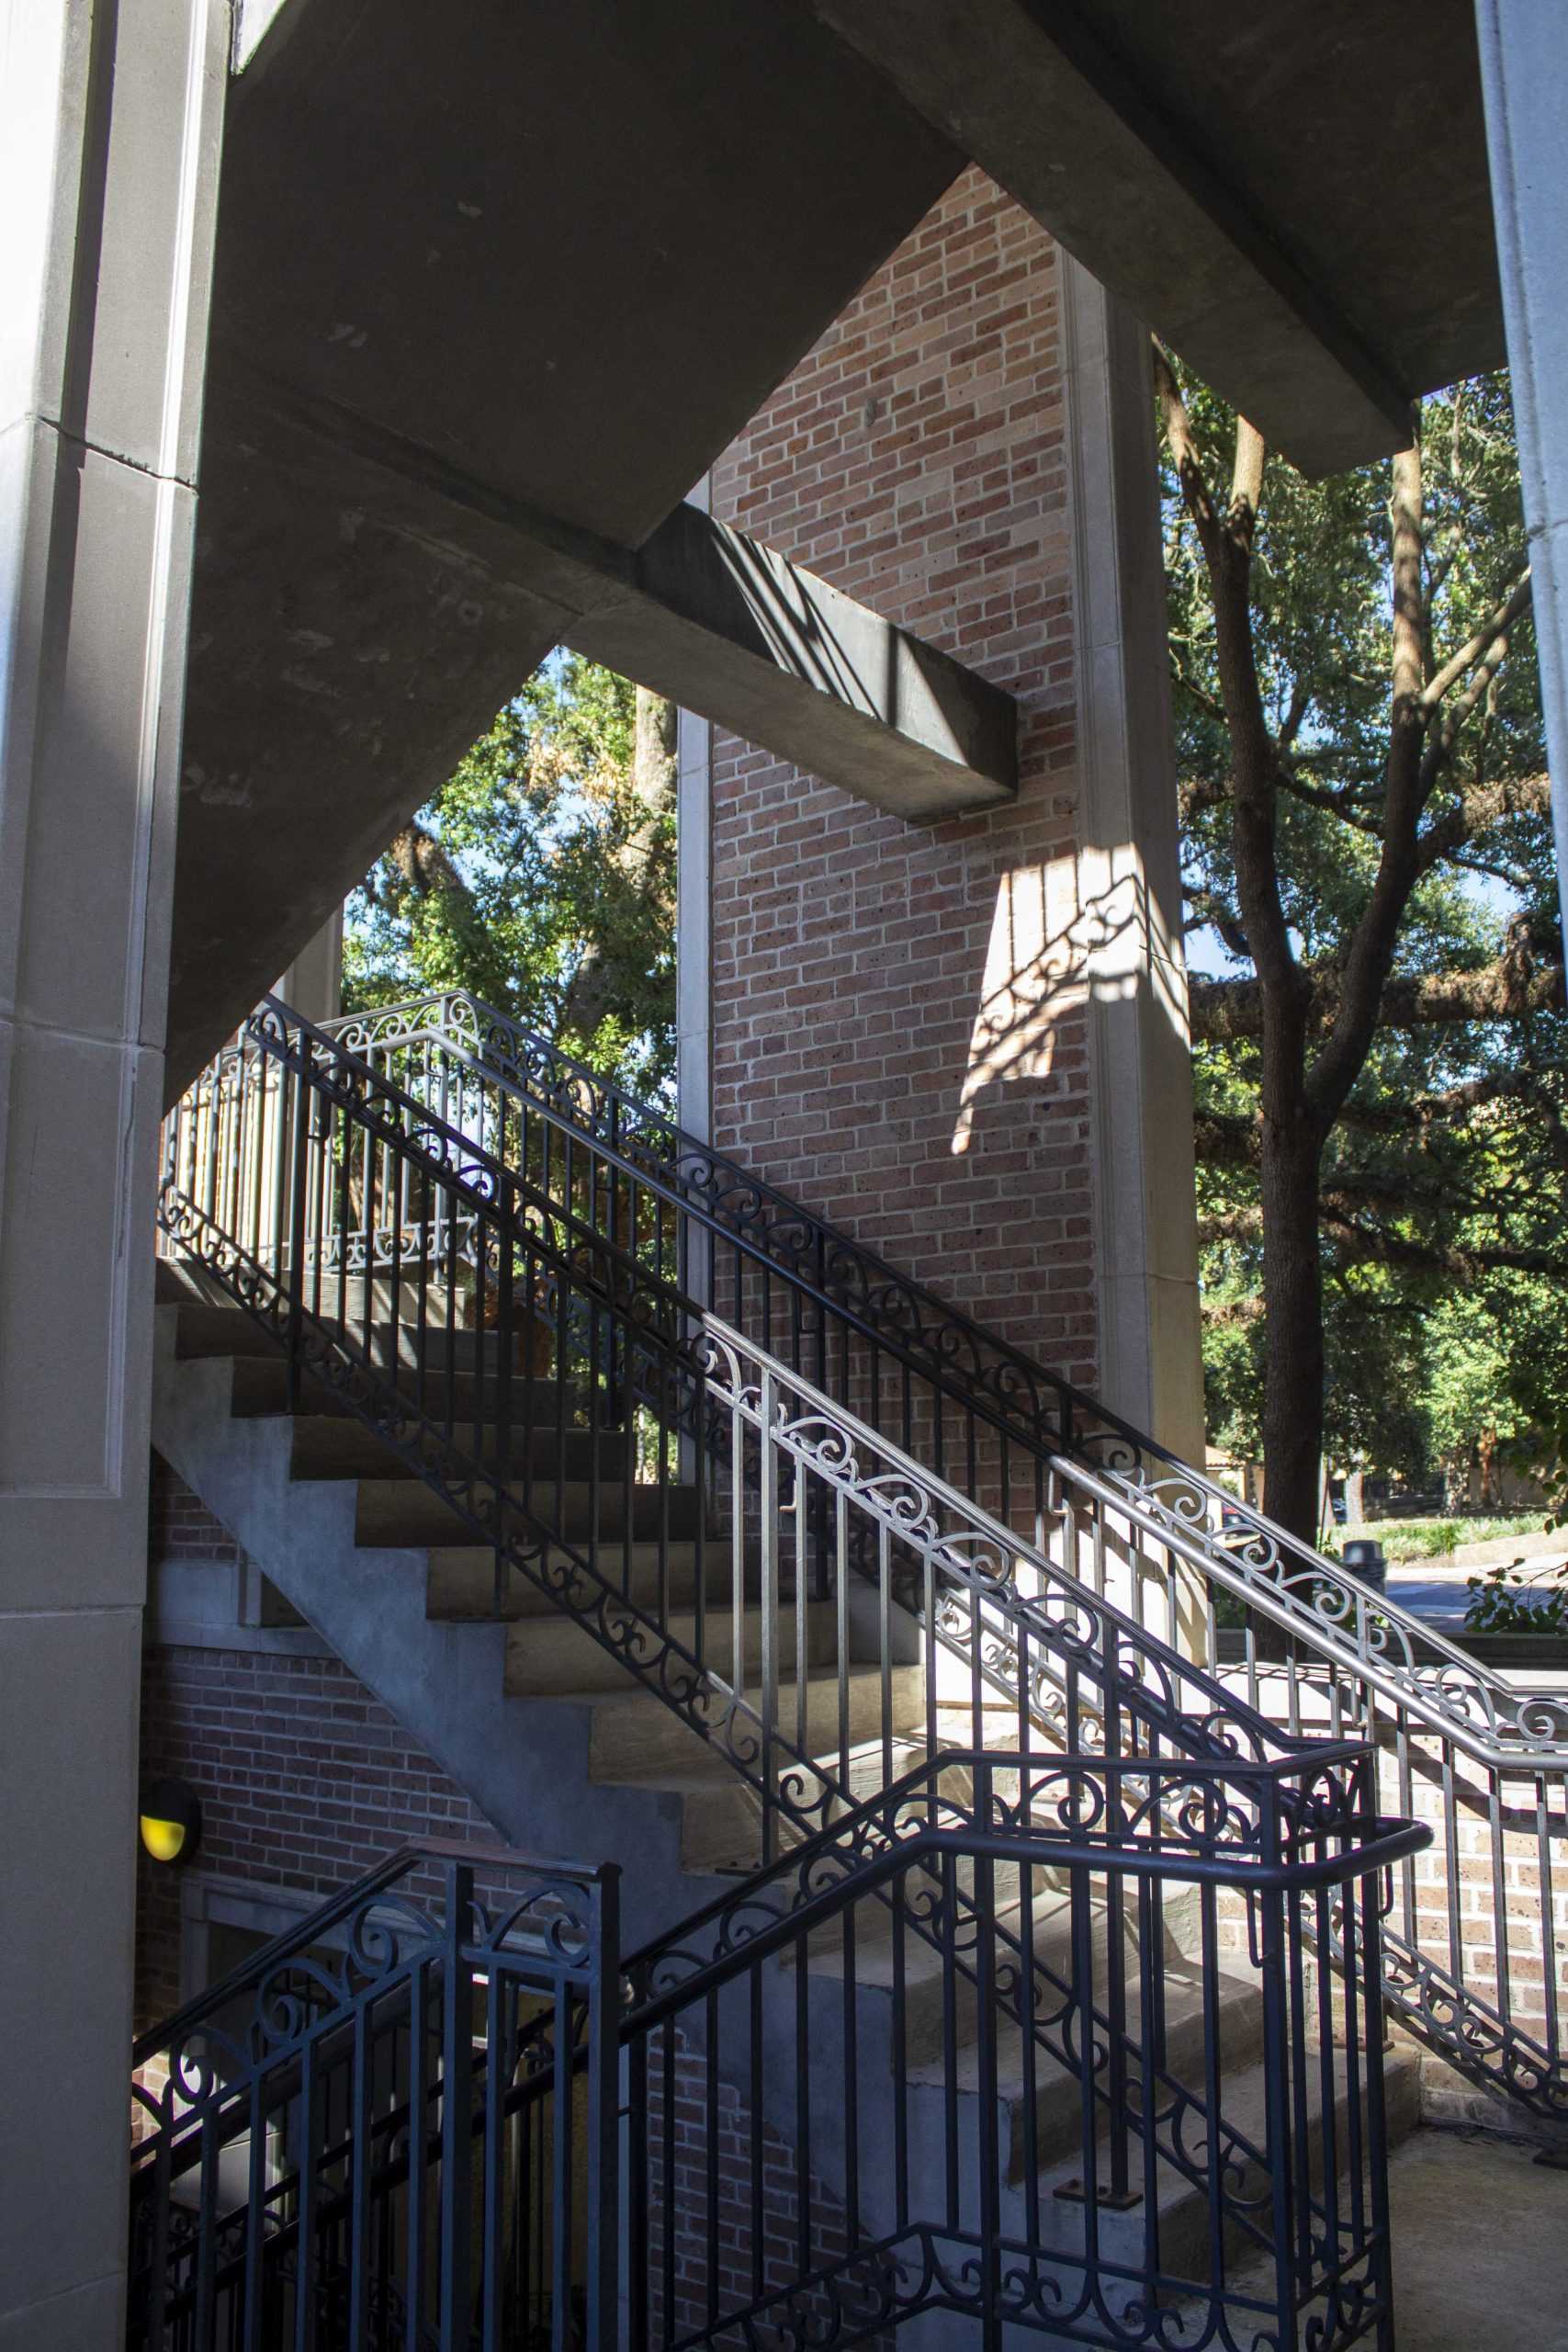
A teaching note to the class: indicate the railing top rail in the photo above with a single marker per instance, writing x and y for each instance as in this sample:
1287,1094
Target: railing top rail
826,1441
465,1162
315,1926
912,1820
279,1032
1459,1689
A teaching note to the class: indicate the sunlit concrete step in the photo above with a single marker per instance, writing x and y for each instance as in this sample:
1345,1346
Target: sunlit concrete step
460,1579
330,1446
1057,2092
404,1511
1185,2220
554,1658
636,1740
880,1950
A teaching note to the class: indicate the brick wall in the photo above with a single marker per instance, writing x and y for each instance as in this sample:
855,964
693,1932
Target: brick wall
707,2171
898,1026
1511,1953
180,1526
306,1780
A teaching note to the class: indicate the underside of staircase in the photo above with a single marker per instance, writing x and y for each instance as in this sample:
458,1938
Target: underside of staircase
568,1754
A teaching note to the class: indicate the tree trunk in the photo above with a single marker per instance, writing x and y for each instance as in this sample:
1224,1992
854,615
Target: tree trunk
1292,1302
654,754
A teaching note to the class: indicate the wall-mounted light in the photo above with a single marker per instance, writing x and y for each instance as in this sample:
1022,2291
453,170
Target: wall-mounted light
171,1820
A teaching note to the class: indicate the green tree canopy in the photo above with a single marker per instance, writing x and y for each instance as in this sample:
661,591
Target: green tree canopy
1364,800
542,878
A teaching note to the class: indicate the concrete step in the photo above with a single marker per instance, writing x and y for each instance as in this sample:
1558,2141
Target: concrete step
1184,2216
461,1578
402,1511
331,1446
261,1386
1057,2094
878,1950
636,1741
549,1657
210,1326
208,1329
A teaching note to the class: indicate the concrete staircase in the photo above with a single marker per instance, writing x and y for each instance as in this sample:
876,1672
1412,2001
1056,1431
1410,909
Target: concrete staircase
567,1753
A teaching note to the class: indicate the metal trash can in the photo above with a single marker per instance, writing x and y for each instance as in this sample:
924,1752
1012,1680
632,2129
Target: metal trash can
1364,1557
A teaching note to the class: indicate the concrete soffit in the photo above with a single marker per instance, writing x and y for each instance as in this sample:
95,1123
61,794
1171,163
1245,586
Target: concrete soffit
1131,134
723,625
1129,883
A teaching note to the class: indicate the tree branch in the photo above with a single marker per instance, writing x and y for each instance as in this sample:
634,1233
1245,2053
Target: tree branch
1483,804
1471,651
1225,1010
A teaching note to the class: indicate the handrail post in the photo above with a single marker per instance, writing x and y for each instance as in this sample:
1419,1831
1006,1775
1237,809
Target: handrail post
604,2134
457,2117
506,1346
296,1278
768,1470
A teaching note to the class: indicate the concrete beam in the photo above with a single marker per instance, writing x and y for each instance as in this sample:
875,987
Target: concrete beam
408,233
734,631
405,550
713,620
1312,278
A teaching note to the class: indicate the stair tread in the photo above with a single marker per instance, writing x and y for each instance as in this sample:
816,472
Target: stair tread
1184,2001
1244,2108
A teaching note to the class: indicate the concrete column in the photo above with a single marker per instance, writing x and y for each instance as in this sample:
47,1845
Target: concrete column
693,911
1521,44
312,986
1129,882
109,128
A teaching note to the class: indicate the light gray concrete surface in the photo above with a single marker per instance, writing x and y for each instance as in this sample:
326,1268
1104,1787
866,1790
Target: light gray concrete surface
1521,46
410,339
1480,2246
110,129
1300,275
1129,926
524,1763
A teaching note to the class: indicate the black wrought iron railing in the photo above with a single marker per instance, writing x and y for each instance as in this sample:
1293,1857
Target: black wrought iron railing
396,2126
823,1615
571,1403
1476,1945
358,2140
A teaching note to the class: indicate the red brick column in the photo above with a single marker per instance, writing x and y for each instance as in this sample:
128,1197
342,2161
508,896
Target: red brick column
898,1017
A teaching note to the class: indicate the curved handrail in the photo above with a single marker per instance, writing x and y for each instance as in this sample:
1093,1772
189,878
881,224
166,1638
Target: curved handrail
1314,1597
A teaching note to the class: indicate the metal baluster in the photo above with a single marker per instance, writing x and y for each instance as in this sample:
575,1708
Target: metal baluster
769,1512
418,2159
457,2135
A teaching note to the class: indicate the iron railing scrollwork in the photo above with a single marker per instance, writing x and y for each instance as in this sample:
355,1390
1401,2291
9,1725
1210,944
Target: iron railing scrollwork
353,2140
759,1639
1476,1974
430,2067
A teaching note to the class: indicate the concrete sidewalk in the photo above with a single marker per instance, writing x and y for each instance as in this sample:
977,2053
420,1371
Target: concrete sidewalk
1480,2246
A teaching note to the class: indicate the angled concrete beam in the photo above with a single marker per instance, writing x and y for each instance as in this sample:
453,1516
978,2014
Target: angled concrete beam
1043,105
729,628
713,620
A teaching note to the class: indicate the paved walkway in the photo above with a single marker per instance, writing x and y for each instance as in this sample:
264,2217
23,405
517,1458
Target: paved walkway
1480,2246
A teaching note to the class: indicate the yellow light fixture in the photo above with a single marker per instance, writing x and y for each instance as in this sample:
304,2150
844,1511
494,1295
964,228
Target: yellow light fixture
171,1820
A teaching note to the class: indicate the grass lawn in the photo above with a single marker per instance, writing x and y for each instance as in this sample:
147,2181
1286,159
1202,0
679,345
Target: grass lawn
1434,1539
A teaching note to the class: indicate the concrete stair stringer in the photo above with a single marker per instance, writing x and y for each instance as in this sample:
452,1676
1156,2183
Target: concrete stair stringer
524,1762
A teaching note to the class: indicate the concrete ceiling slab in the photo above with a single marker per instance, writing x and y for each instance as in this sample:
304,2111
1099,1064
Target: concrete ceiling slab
1297,199
565,248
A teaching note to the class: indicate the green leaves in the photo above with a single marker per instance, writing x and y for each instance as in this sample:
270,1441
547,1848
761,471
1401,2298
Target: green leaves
540,880
1441,1196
